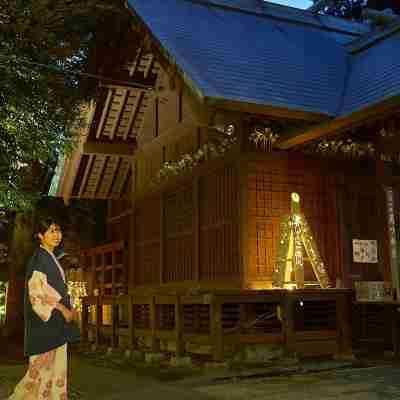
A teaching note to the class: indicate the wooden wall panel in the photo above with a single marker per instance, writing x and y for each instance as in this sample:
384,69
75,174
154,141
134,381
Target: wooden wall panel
179,235
219,244
270,183
147,243
118,230
365,218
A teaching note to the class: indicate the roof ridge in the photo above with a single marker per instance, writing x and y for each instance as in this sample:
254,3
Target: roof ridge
280,11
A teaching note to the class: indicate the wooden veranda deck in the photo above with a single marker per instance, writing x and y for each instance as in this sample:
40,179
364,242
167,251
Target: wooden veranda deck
305,322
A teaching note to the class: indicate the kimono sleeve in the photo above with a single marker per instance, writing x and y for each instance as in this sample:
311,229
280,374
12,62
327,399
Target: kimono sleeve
41,295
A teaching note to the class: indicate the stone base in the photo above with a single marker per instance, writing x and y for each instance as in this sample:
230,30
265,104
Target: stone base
181,362
153,358
109,351
260,353
137,355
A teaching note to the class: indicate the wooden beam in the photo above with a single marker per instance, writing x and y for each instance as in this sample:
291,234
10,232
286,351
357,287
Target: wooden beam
104,113
268,110
108,149
102,162
86,175
341,124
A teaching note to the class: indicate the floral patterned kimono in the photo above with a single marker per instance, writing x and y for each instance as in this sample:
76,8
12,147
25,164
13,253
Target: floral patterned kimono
46,332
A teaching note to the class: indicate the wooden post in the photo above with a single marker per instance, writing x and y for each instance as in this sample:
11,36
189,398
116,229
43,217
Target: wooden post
162,238
216,329
196,227
103,269
344,238
395,329
131,324
180,345
242,174
288,322
155,342
343,321
113,271
131,249
243,314
99,319
85,320
114,322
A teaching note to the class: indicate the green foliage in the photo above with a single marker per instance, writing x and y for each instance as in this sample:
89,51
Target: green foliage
42,45
85,217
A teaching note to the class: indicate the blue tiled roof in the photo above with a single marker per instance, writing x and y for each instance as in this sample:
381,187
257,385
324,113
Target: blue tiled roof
248,51
375,75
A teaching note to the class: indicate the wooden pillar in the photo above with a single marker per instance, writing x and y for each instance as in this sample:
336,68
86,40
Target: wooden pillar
93,276
113,271
131,249
242,174
85,319
196,227
288,321
99,318
243,314
155,342
162,238
216,329
114,322
131,323
344,238
180,345
344,324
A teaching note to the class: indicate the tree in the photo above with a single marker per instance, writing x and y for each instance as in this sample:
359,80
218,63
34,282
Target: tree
44,46
350,9
48,52
355,9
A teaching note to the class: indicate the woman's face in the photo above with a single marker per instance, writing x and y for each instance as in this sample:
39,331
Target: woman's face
51,238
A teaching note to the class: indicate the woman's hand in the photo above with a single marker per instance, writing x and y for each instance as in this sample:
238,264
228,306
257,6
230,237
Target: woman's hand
69,315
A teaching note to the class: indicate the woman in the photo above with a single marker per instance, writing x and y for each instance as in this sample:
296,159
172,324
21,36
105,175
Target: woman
48,321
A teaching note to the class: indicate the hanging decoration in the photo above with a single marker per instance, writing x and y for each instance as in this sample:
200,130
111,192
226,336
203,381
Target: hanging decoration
263,138
345,147
3,291
295,237
216,147
77,288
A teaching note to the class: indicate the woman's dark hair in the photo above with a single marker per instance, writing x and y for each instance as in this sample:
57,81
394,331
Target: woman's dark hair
42,225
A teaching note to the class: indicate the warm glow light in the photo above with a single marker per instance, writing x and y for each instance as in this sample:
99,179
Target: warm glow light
77,290
259,285
295,240
295,197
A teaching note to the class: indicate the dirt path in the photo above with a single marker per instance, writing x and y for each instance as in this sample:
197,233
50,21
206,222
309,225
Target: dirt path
89,381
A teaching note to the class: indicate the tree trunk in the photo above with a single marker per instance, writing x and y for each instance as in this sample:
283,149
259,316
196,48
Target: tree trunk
21,250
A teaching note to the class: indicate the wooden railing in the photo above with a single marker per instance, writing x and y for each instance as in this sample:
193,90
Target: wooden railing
306,322
106,268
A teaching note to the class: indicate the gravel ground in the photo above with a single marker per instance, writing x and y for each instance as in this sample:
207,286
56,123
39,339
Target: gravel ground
97,377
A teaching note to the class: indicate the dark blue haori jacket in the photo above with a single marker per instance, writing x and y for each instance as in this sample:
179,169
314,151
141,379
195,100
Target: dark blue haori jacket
41,336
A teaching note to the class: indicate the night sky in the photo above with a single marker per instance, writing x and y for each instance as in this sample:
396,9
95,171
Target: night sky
294,3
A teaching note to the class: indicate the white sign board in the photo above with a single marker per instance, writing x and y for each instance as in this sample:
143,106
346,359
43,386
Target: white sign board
365,251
